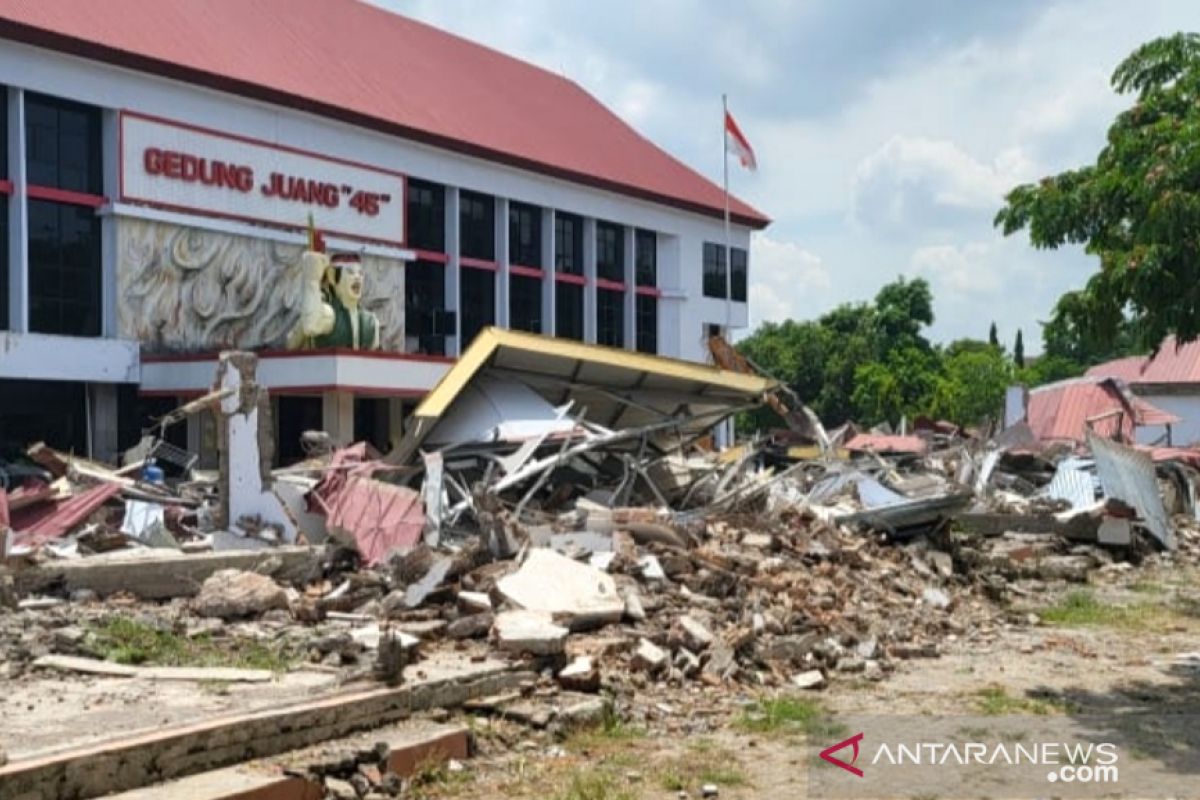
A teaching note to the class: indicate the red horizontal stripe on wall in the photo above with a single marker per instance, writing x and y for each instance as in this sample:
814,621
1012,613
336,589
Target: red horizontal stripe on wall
529,272
66,196
615,286
478,263
567,277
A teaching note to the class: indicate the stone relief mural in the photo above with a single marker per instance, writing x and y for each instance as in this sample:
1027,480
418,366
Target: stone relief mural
185,289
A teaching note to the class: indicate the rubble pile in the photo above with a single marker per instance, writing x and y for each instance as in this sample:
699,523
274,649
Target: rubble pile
589,526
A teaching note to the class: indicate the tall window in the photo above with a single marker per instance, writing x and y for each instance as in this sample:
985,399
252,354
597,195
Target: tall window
610,251
525,303
737,275
647,323
525,235
63,153
477,226
714,270
568,310
426,216
3,215
425,317
610,317
478,302
646,258
568,243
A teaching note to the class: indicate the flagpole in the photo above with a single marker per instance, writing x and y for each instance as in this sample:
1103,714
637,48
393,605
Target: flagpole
728,248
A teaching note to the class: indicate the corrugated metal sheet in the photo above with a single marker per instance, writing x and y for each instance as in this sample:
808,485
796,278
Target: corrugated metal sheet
41,523
1074,482
1061,411
1128,475
1128,369
364,65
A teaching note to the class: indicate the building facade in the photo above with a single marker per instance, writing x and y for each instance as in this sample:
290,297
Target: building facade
157,182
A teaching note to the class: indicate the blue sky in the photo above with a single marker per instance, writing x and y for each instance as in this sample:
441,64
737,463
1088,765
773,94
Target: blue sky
886,132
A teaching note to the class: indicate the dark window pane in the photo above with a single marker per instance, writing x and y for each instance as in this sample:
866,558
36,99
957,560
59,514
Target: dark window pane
737,275
610,317
49,411
424,306
647,323
525,235
62,144
525,303
568,310
64,269
3,261
714,270
568,243
426,216
477,225
610,251
478,306
647,258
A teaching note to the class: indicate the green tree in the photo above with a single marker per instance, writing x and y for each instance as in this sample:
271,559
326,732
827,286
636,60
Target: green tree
1019,350
1137,208
971,388
993,338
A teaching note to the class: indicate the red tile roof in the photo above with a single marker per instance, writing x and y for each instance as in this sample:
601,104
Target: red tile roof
1060,411
360,64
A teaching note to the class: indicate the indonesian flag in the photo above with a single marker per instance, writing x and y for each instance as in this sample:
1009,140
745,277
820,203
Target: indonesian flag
736,143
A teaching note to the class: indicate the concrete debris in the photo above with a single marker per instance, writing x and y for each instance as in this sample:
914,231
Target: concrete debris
810,679
649,656
230,594
532,632
581,675
577,595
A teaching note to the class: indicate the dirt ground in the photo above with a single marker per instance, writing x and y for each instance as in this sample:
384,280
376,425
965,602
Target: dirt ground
1110,648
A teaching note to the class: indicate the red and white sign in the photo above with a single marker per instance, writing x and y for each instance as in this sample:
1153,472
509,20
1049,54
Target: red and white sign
185,168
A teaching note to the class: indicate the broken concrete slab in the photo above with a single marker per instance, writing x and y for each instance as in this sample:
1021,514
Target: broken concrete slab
575,594
474,602
231,594
159,574
649,656
531,632
472,626
812,679
581,675
92,666
691,633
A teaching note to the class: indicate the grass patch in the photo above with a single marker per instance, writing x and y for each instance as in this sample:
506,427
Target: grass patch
594,784
786,715
129,641
1081,608
996,701
433,777
698,767
609,730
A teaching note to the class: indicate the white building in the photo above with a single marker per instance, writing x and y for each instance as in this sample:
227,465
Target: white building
163,157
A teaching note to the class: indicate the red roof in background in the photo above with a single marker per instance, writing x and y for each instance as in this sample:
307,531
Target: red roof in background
1060,411
1172,364
1128,369
351,61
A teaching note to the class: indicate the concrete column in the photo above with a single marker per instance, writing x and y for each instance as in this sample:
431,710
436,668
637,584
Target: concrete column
630,243
110,138
548,268
337,416
453,270
589,273
502,260
18,217
102,406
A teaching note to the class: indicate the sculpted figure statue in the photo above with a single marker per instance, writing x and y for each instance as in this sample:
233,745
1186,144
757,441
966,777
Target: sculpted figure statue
329,309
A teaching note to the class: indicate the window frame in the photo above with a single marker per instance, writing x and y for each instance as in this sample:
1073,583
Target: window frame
474,228
610,241
426,215
713,281
524,218
645,257
568,262
738,275
610,316
646,335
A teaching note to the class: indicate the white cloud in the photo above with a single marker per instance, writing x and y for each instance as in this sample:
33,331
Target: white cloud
911,182
786,281
958,269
